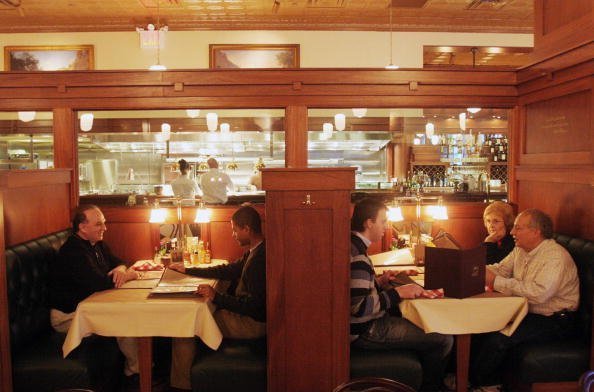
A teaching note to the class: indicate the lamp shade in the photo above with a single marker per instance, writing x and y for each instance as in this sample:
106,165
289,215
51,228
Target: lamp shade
473,110
359,112
202,214
212,121
26,116
158,215
462,118
429,129
86,122
340,121
193,113
395,214
165,131
440,212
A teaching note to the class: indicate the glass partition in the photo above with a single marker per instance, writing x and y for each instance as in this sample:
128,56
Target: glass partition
26,140
442,150
137,151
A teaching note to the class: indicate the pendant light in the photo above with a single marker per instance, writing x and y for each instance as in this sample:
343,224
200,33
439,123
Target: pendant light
158,66
391,65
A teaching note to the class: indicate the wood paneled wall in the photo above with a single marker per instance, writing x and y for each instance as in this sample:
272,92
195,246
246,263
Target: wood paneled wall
32,203
553,152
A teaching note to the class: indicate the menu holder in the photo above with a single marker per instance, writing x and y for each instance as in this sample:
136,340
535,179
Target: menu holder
461,273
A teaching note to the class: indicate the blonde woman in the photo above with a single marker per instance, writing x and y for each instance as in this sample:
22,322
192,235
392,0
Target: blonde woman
498,218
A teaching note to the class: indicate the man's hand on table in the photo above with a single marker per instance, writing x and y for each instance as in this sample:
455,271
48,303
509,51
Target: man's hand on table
205,291
121,275
412,291
179,267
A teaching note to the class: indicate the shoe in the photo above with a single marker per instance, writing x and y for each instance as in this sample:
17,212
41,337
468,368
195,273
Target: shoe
488,388
450,381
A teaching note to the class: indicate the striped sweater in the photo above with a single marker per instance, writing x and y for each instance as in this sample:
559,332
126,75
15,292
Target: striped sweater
368,300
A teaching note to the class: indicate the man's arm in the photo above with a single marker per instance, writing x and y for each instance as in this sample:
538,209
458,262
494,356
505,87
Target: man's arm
364,299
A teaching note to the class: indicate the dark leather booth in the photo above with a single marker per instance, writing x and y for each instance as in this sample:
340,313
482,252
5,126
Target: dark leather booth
36,349
561,361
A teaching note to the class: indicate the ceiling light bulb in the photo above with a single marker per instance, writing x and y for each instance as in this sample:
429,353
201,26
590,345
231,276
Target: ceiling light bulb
166,131
26,116
86,122
193,113
473,110
359,112
212,121
340,121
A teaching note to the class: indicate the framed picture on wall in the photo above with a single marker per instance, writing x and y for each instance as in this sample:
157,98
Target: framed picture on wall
229,56
49,58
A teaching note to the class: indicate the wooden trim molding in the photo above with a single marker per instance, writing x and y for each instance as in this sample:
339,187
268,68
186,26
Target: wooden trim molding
559,175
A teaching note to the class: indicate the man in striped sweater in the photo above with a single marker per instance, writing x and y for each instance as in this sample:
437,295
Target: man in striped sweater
375,318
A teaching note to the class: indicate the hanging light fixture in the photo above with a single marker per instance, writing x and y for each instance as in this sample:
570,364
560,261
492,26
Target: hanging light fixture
165,131
473,110
86,122
339,121
462,120
429,129
359,112
225,127
160,34
212,121
193,113
327,131
391,65
26,116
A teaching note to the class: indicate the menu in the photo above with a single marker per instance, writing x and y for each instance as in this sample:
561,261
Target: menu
173,282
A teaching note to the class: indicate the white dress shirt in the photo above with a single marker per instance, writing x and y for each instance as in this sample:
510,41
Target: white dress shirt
214,184
186,188
546,276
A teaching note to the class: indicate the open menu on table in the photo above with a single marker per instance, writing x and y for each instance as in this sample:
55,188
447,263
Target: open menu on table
173,282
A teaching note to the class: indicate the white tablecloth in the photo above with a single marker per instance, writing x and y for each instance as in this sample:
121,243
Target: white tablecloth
486,312
130,312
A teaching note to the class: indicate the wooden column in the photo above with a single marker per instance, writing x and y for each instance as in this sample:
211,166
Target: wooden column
66,147
307,277
296,136
5,357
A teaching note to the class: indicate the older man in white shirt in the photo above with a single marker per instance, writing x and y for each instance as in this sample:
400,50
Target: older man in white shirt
541,270
215,183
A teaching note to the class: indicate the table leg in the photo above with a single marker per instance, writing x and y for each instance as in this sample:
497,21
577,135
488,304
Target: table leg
145,363
462,361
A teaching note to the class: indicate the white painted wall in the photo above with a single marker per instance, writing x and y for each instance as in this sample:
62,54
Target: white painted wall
319,49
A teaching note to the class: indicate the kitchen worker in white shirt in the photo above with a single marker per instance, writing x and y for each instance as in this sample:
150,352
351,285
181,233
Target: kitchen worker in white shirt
215,183
183,186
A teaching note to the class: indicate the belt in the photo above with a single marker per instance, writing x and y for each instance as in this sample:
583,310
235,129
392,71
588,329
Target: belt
564,314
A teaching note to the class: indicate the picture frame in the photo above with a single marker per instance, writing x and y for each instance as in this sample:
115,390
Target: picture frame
236,56
49,58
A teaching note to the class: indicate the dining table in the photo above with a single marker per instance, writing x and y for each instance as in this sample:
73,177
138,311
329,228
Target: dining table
139,312
485,312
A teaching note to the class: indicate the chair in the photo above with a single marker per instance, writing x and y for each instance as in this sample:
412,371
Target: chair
586,383
373,384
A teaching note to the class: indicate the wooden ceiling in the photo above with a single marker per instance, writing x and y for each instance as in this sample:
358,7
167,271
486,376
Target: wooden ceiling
487,16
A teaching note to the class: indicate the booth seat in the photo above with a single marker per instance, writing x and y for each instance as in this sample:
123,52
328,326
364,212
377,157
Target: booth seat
243,363
36,349
558,362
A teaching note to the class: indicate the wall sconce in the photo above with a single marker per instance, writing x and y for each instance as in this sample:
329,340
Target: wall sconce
212,121
359,112
339,121
86,122
193,113
26,116
165,131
